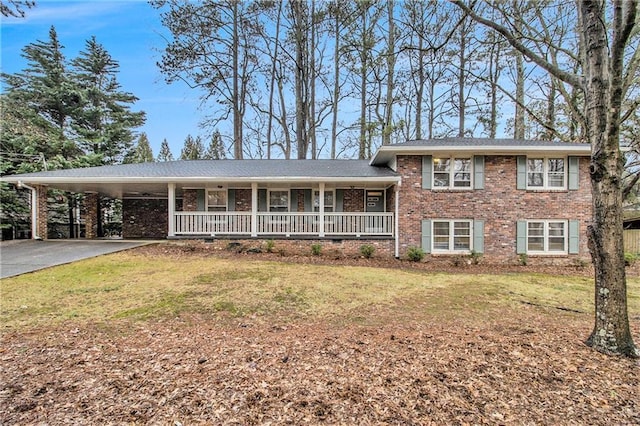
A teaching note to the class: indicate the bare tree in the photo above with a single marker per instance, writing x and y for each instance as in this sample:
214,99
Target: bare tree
604,31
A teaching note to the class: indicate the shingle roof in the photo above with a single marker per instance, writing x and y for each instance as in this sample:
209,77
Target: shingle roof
227,169
484,142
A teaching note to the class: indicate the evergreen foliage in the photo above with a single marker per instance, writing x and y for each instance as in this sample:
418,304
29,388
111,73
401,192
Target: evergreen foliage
165,152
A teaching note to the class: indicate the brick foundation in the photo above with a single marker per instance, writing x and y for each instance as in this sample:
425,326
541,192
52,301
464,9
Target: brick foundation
384,248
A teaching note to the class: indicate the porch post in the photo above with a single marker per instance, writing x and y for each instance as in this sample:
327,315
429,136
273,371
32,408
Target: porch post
254,209
172,209
321,209
396,220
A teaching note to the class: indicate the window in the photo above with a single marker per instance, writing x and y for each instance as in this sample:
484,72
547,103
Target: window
279,201
328,201
217,200
545,173
452,236
546,236
452,173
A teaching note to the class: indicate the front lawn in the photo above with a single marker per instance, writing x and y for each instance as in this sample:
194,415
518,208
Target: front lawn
164,335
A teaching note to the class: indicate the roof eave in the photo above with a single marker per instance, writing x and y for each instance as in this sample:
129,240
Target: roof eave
386,153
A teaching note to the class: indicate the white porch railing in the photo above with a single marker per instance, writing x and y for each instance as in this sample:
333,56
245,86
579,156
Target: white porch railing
205,223
239,223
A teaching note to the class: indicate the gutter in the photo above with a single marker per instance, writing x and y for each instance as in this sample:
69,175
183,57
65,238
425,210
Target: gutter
34,209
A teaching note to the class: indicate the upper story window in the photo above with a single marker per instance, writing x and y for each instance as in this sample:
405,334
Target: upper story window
546,173
452,172
328,201
217,200
278,200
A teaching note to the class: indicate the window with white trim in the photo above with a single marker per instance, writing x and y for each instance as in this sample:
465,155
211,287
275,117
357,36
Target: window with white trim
546,173
278,200
329,201
452,172
547,236
452,236
216,200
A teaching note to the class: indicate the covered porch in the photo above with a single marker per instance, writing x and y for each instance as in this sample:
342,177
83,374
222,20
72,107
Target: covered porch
283,210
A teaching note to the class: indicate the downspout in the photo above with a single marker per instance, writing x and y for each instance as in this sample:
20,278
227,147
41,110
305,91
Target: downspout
34,209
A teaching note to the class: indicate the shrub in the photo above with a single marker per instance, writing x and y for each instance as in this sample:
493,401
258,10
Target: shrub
270,246
630,259
367,250
316,249
523,259
415,254
476,257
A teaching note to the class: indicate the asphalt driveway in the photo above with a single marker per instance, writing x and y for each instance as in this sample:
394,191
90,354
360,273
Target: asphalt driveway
21,256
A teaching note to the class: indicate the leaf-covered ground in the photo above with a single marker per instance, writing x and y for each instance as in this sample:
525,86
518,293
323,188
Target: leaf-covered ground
521,365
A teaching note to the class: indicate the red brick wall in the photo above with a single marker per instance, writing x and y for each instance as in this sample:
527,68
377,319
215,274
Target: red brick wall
90,207
353,200
42,226
190,200
145,218
500,205
243,200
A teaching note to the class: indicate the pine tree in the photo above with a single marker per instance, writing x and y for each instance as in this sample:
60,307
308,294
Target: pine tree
193,149
46,89
104,122
142,152
165,152
215,150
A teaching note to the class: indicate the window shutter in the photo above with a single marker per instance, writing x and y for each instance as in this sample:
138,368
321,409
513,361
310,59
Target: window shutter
478,236
339,200
201,202
574,236
427,167
231,200
262,200
521,161
478,170
521,237
426,236
574,166
308,200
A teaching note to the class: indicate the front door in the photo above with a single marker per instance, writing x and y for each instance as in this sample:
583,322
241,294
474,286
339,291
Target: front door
374,201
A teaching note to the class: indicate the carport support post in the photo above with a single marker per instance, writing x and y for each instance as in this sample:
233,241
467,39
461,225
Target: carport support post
92,210
42,212
172,209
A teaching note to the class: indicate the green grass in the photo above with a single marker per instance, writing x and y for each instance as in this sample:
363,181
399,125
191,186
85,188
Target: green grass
133,287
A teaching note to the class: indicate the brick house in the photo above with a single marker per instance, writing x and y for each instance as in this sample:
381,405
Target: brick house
501,198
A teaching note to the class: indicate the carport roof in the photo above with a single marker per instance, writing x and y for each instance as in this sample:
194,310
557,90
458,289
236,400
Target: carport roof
152,178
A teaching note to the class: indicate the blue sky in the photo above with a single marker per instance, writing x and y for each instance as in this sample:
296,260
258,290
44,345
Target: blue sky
131,32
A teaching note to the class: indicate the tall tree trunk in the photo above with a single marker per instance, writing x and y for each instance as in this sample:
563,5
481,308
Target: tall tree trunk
603,95
336,83
518,124
362,151
391,63
461,81
237,122
311,103
272,82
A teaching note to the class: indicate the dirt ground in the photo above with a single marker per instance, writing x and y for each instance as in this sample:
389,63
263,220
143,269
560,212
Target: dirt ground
521,366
